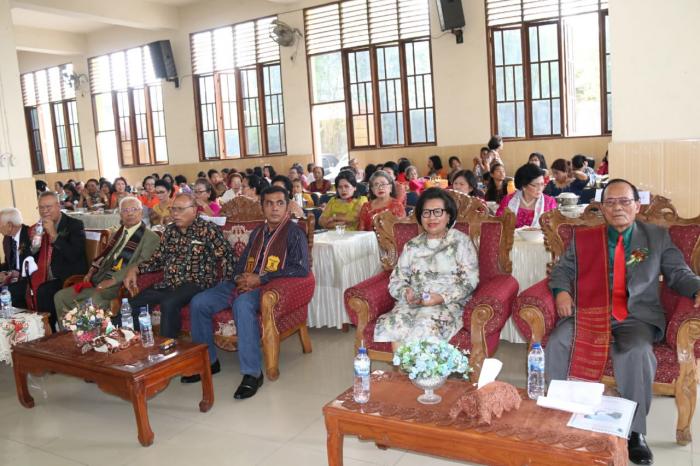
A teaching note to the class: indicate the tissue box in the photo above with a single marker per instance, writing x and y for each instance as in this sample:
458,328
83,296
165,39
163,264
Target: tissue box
489,401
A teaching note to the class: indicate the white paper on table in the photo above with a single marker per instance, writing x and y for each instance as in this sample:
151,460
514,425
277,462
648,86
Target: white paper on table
32,266
612,416
572,396
489,371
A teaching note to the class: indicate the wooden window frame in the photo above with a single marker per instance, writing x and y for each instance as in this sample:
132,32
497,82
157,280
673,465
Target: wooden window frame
38,151
372,49
604,52
37,154
132,126
242,136
525,50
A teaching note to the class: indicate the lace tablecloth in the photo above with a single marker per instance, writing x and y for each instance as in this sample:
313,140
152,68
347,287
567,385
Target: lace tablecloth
97,221
21,327
340,262
529,266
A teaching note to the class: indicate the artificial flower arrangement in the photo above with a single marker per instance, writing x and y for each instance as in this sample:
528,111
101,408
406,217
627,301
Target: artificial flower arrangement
86,322
428,363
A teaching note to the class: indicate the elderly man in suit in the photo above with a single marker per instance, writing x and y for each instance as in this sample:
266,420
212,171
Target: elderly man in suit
16,246
60,253
132,244
616,268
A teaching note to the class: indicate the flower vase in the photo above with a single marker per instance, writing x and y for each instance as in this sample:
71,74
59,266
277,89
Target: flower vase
83,337
429,385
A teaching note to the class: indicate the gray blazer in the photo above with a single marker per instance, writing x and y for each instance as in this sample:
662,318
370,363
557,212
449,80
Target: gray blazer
642,278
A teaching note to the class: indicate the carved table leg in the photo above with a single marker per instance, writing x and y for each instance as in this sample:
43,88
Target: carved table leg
25,398
207,388
334,443
141,412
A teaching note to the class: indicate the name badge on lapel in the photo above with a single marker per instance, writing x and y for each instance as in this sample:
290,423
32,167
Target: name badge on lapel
273,263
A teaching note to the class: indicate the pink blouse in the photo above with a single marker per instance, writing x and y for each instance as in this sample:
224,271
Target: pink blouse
525,216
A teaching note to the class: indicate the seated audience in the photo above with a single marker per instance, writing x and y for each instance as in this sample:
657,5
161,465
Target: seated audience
276,249
319,185
269,173
298,188
59,253
295,210
392,169
216,181
565,180
382,196
603,167
235,184
40,186
359,171
193,254
311,177
465,182
130,245
205,198
455,166
181,181
148,198
58,188
253,185
369,171
16,247
528,202
72,197
482,163
632,313
435,276
497,187
401,176
496,144
160,213
105,193
90,195
344,208
435,169
171,181
119,193
416,184
538,160
580,163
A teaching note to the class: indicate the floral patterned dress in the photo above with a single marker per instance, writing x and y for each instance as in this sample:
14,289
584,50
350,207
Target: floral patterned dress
448,267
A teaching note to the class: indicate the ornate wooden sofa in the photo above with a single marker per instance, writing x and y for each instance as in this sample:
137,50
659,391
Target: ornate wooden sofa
535,315
489,307
283,302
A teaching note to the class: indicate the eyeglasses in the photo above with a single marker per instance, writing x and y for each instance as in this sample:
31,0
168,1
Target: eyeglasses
130,210
179,210
161,191
380,185
623,201
437,213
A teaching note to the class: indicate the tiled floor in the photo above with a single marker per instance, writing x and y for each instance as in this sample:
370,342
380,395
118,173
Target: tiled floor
282,425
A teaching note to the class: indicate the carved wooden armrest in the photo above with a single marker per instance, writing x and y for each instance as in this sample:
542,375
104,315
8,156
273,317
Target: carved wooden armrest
72,280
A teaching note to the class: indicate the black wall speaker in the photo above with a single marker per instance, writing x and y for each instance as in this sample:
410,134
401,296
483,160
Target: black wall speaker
163,61
451,14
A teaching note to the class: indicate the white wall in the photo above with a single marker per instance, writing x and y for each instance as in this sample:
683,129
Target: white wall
656,69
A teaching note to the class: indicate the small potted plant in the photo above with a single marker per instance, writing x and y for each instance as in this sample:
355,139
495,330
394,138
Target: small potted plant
428,363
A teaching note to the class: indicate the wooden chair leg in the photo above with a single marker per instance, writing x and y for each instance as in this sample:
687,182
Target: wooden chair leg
686,388
305,339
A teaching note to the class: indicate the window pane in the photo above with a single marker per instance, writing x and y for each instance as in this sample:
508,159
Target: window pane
512,47
390,99
498,48
251,111
510,85
544,78
548,42
330,134
506,119
326,77
361,99
541,118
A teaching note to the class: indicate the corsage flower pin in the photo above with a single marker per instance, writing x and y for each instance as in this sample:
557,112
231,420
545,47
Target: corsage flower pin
637,256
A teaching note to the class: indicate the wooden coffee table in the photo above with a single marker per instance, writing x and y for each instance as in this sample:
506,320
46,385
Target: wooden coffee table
134,374
531,435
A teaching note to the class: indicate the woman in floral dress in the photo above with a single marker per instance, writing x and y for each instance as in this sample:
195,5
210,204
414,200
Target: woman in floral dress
434,278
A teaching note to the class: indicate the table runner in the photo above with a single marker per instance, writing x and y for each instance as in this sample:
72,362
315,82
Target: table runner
21,327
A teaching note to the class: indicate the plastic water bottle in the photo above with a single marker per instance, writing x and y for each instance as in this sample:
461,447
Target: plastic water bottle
535,372
360,388
146,328
38,233
5,302
127,317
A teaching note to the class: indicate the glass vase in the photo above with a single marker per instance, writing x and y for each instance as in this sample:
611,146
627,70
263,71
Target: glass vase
429,385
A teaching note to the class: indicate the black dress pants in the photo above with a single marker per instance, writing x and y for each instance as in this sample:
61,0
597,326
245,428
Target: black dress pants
171,301
44,299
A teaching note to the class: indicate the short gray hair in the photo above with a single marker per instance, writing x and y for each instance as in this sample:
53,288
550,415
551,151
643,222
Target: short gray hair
130,198
52,194
11,215
187,196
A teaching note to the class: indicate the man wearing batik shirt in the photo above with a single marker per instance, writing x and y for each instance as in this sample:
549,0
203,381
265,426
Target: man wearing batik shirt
276,249
191,254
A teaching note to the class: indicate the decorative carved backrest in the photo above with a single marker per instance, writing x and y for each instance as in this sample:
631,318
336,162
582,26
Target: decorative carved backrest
242,209
492,236
558,229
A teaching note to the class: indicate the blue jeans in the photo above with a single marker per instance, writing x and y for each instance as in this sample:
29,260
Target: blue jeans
245,313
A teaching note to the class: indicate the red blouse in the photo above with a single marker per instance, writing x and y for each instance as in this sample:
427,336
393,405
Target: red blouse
367,213
313,187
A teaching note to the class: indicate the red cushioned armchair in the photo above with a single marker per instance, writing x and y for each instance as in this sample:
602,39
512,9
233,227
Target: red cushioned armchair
485,313
535,315
283,301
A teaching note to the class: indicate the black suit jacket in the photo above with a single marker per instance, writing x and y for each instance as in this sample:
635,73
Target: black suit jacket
69,249
25,249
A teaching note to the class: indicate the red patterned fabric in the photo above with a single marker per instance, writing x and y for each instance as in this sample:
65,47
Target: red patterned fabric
403,232
499,293
566,232
684,310
489,240
540,296
238,234
294,297
375,292
685,237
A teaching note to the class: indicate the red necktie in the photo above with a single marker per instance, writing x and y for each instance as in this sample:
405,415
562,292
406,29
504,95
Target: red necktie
619,293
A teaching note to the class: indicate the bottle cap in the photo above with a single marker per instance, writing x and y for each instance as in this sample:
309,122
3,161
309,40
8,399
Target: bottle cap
125,300
362,350
536,345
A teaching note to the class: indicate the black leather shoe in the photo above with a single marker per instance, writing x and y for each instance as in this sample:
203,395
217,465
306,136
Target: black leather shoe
639,451
248,387
215,369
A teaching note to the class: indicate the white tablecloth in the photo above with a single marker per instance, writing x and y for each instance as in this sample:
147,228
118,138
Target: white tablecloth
340,262
529,266
97,221
20,328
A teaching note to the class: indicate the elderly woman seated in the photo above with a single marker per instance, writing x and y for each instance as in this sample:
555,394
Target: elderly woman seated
528,202
565,179
382,196
435,276
344,209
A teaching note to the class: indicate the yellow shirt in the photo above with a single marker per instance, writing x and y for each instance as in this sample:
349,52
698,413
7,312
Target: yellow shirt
348,209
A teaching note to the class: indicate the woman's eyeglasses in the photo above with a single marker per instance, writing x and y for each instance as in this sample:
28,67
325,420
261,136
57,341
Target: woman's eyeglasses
437,213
